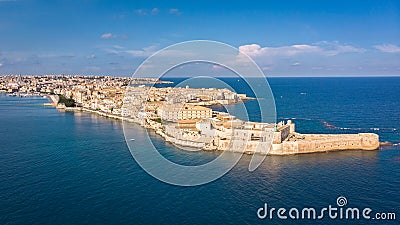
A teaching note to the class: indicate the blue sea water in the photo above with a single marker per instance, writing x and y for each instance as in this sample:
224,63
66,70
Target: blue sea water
75,168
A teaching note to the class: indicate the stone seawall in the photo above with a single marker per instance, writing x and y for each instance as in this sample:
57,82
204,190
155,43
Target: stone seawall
305,143
309,143
183,143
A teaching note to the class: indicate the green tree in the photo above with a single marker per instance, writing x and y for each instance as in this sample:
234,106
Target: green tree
69,102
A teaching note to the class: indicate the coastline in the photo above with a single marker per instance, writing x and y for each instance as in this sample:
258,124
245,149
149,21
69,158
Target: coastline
285,142
343,142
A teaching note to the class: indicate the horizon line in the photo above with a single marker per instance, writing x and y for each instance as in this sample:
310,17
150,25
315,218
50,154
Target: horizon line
174,77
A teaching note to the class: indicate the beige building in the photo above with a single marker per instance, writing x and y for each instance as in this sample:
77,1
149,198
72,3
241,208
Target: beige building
188,112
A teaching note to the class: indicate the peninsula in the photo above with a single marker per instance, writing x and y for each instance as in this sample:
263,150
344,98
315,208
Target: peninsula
180,114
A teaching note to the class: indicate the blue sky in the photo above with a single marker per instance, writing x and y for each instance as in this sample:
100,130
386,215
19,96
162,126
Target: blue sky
285,38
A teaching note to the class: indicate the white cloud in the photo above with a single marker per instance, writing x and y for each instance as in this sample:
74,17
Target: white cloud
296,64
389,48
108,36
253,49
111,35
257,50
217,67
155,11
144,52
145,12
1,64
174,11
141,12
266,68
91,56
118,47
321,48
335,48
295,49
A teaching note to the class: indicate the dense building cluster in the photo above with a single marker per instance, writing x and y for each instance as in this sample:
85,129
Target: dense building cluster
104,93
53,84
179,113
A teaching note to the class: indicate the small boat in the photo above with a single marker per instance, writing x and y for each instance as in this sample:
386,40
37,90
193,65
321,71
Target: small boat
132,139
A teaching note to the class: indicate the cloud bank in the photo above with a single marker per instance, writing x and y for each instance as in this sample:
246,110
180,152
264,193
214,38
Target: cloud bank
388,48
320,48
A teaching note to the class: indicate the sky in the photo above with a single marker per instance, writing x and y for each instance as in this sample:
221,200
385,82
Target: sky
285,38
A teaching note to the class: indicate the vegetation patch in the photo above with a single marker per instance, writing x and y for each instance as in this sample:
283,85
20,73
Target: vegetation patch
69,102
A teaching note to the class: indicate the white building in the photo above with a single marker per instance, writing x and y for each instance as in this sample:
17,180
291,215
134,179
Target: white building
189,112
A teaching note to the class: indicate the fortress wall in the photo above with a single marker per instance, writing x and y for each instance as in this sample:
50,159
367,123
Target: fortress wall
328,145
182,142
369,141
311,143
292,127
244,146
276,149
277,137
324,143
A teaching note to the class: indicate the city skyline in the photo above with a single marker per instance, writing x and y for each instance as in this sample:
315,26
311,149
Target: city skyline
295,38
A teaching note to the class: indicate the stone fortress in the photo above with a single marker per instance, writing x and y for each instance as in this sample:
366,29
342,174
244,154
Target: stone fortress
178,115
287,141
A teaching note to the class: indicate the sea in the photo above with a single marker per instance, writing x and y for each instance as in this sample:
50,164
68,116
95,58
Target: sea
60,167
